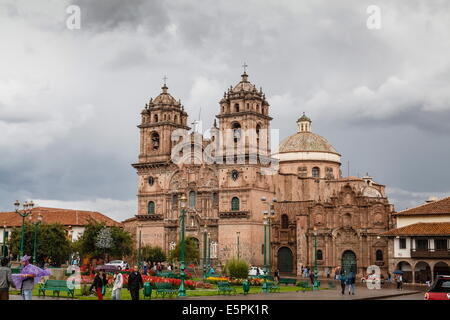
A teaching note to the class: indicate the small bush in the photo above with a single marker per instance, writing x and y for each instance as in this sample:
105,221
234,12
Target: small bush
238,269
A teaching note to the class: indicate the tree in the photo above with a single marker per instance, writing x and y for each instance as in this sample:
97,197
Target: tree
237,269
153,254
99,240
191,254
51,242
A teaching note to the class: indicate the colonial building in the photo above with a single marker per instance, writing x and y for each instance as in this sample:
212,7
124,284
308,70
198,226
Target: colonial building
420,245
225,195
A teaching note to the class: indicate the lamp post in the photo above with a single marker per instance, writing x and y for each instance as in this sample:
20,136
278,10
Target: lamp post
238,245
264,286
182,289
270,216
36,225
209,251
139,245
4,240
205,230
24,214
316,272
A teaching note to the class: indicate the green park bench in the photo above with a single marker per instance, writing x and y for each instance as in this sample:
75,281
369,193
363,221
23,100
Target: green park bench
304,285
56,286
165,288
287,281
166,274
225,288
331,284
272,287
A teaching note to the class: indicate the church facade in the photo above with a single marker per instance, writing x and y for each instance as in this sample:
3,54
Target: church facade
232,181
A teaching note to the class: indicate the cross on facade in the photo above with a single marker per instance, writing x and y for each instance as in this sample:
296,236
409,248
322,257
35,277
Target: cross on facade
165,79
245,67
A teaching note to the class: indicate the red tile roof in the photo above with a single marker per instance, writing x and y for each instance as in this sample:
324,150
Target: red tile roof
65,217
436,207
421,229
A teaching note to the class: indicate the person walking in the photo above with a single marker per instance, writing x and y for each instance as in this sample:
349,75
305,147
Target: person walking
5,279
400,282
311,277
99,284
135,283
351,283
276,276
28,276
117,286
343,280
328,272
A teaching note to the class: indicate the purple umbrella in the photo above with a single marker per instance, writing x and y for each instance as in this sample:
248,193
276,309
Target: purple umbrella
107,268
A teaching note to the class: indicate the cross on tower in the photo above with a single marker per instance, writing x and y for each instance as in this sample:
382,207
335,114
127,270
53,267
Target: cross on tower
245,67
165,79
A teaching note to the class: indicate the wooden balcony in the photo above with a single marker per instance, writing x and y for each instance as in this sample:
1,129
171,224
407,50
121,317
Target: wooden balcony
430,254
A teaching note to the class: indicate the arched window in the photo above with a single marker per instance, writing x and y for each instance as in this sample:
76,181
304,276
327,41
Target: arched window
175,118
155,141
192,199
379,255
235,204
156,118
258,129
151,207
236,107
236,131
165,116
315,172
215,198
284,221
319,255
175,200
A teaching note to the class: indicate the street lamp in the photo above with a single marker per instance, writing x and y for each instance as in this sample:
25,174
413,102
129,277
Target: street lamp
209,252
265,221
238,253
182,289
205,230
4,240
270,217
316,272
139,245
24,214
36,225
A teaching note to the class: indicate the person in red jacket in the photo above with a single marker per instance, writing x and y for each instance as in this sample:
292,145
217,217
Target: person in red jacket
99,284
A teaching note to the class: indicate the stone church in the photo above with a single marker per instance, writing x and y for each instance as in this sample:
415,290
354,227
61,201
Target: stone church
230,186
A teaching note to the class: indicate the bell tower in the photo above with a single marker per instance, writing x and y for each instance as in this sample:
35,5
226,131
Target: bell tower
160,117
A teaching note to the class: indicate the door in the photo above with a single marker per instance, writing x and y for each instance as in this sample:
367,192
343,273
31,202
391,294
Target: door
285,260
349,261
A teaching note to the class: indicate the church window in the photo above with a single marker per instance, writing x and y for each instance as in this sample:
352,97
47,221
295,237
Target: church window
234,175
284,221
236,107
215,197
235,204
151,207
151,180
175,118
248,106
165,117
155,141
315,172
156,118
319,255
192,199
236,131
379,255
175,200
329,173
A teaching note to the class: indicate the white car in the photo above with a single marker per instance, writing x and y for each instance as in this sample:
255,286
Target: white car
253,271
118,263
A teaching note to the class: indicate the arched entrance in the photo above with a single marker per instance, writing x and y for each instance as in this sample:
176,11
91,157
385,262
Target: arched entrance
441,268
285,260
349,262
422,272
407,270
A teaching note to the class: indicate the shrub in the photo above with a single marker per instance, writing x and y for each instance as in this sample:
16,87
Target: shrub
235,268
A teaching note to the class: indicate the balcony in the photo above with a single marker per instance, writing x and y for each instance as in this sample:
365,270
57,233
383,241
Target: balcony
430,254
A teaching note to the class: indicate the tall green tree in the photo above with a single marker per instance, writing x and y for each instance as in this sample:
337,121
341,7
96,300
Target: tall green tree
191,252
51,240
153,254
98,240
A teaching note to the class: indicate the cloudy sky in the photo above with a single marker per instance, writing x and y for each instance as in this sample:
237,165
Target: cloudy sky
70,99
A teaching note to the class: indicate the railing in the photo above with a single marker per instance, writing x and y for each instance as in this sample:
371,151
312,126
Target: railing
430,253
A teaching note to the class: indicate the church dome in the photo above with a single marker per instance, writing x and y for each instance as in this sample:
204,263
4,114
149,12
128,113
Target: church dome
244,85
164,98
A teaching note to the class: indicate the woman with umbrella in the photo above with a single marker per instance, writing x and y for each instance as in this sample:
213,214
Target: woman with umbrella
399,279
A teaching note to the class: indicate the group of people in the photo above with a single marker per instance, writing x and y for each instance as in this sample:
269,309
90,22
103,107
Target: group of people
156,267
135,283
349,281
24,281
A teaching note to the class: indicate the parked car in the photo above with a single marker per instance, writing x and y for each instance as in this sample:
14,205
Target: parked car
440,289
118,263
374,278
253,271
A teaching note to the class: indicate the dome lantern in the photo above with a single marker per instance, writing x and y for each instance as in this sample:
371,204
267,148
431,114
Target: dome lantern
304,124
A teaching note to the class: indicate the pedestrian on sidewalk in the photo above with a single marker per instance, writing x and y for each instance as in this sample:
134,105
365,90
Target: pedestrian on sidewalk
328,272
400,282
311,277
5,279
343,280
117,286
351,283
135,283
276,276
28,276
99,284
